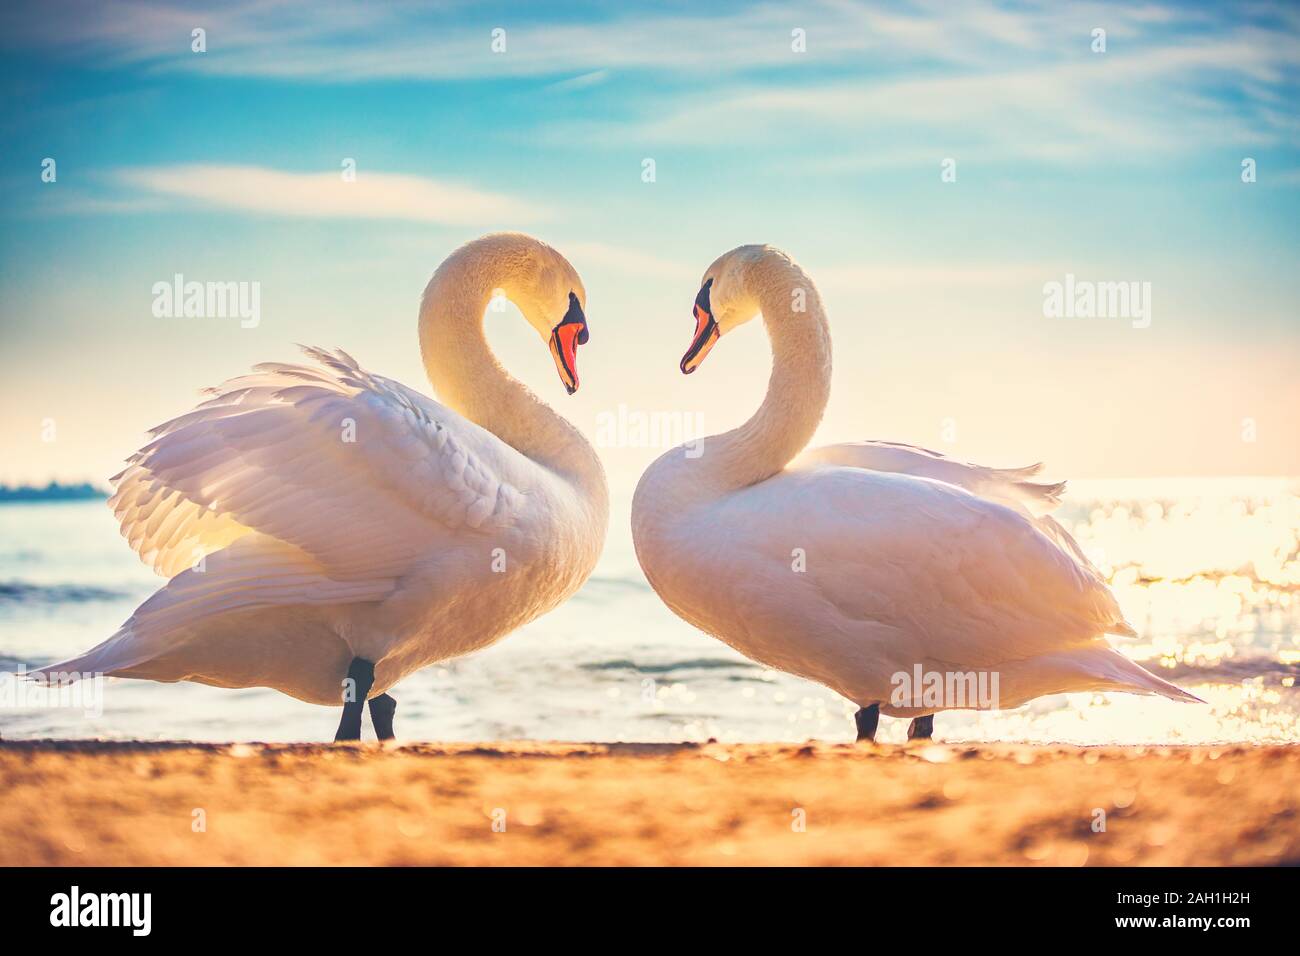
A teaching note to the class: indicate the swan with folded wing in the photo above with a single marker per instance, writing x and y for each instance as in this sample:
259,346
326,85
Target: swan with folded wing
905,581
327,531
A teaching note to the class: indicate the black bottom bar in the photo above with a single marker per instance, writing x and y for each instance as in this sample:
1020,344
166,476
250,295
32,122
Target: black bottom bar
927,906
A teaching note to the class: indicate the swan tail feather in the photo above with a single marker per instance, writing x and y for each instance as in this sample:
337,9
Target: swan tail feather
1019,474
119,652
254,572
1039,497
1111,670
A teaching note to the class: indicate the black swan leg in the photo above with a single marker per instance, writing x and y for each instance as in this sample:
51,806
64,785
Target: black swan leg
361,675
867,718
382,709
922,728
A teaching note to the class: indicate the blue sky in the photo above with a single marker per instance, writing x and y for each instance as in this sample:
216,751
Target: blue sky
224,165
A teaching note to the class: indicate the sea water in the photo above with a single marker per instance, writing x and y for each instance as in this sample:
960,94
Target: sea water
1207,571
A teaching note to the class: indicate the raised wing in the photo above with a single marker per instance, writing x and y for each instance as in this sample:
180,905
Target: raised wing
356,470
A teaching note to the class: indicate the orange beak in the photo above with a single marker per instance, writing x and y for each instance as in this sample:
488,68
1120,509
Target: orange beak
706,332
565,339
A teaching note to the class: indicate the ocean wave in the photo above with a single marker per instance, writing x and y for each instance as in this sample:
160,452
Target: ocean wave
21,592
695,664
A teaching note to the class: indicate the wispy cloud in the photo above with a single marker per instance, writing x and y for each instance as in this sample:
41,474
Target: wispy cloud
348,40
581,82
1158,96
372,195
902,78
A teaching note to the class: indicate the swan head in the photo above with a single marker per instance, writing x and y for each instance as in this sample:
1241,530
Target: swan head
725,301
549,294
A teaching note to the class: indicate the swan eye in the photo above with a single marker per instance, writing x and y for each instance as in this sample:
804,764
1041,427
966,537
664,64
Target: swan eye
702,300
575,314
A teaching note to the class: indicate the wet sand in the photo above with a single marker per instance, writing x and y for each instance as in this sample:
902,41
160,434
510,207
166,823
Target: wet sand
119,804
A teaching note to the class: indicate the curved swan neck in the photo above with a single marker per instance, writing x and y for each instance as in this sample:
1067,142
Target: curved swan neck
799,387
466,375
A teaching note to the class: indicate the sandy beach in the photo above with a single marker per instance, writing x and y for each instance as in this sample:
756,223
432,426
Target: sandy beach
131,804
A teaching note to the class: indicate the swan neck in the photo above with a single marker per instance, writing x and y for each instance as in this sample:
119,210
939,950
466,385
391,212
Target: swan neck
799,386
468,378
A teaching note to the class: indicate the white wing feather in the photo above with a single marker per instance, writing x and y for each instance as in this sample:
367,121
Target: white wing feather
959,556
357,471
1006,486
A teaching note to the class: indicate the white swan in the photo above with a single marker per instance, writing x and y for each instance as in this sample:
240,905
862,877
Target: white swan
328,531
866,566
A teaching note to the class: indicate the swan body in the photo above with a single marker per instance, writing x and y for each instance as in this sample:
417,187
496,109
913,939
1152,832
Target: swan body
308,515
853,564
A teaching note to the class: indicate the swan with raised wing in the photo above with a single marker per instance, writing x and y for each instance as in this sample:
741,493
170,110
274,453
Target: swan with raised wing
327,531
905,581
